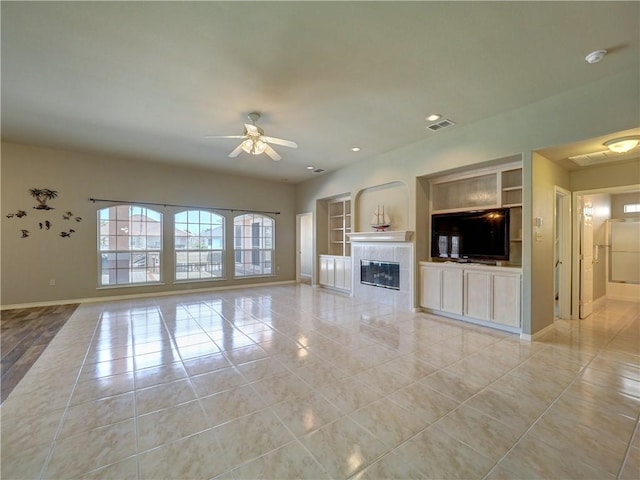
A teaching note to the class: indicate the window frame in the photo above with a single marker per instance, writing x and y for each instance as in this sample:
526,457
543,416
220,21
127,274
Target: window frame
120,251
209,251
253,251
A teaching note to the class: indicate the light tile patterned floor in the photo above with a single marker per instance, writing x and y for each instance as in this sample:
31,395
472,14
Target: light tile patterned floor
296,382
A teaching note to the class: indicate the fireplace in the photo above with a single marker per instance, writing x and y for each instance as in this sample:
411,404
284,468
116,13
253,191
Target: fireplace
384,262
380,274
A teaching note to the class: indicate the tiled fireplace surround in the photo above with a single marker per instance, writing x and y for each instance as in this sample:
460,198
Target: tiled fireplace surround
384,247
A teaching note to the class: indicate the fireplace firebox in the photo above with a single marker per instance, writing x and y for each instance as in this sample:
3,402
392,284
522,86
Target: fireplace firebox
380,274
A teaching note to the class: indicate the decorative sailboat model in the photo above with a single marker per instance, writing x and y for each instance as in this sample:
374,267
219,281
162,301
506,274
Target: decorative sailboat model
380,220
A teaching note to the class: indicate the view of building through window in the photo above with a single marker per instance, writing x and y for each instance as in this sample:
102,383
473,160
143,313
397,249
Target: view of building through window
130,240
130,245
253,245
199,245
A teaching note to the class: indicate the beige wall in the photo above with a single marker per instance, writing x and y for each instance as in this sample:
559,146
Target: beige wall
28,264
546,175
606,176
618,202
592,111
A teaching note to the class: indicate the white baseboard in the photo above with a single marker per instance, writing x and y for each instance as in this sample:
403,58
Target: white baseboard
113,298
531,338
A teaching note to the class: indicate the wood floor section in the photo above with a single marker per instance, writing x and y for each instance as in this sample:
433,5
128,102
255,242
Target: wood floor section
24,334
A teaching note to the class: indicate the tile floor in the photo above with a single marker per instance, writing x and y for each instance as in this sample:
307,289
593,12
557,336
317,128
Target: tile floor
296,382
24,334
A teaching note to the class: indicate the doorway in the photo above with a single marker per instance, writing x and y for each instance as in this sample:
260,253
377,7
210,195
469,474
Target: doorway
304,248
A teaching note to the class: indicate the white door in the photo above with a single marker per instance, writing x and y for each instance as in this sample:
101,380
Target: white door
562,254
586,263
305,247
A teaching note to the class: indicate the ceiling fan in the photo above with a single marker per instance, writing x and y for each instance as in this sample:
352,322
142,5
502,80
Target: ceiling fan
255,141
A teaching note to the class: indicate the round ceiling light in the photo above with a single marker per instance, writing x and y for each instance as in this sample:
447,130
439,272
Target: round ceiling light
622,144
355,149
433,117
595,57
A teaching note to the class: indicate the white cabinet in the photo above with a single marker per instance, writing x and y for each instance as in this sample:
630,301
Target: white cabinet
477,294
335,272
327,270
506,298
472,292
342,272
431,287
441,289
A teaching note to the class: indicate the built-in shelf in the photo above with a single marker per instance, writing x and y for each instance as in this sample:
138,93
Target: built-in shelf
491,187
511,181
339,225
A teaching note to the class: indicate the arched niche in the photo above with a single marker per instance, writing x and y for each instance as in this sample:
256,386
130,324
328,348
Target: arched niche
395,198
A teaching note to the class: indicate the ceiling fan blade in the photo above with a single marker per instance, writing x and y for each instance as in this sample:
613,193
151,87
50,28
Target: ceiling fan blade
225,136
236,151
272,154
280,141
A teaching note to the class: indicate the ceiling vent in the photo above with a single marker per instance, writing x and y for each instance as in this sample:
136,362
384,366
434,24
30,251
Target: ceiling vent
440,125
606,156
318,170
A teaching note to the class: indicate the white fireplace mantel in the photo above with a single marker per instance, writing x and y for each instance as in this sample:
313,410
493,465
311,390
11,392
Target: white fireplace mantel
391,236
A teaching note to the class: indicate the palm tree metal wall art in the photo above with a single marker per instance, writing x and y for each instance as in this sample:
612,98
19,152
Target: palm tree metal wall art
42,195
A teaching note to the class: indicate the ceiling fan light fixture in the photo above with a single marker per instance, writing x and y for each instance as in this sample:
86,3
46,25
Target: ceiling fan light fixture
259,147
623,144
247,145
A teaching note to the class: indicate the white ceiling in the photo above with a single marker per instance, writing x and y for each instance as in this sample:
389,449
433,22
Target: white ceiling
150,80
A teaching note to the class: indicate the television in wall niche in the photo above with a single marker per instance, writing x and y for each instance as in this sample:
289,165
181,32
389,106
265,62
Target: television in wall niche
481,235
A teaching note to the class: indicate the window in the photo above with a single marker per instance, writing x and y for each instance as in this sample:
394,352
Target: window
253,245
631,208
199,245
130,245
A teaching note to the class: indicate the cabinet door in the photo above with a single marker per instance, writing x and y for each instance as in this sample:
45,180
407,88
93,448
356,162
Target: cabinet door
451,294
506,299
342,273
347,273
326,274
430,287
477,294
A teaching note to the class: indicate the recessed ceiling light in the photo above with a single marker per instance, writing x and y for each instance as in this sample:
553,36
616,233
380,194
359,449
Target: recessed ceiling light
310,167
355,149
433,117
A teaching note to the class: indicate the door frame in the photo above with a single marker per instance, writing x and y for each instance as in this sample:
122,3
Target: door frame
562,215
575,287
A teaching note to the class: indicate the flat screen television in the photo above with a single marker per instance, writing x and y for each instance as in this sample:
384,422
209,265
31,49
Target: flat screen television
474,235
